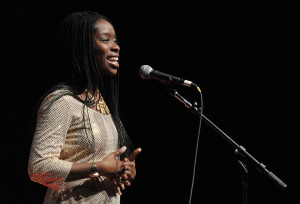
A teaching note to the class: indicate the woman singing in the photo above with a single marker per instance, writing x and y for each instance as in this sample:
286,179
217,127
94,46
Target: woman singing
80,149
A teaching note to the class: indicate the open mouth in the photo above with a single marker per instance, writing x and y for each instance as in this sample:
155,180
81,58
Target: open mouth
114,61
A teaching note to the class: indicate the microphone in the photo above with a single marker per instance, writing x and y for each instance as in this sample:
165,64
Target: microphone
146,72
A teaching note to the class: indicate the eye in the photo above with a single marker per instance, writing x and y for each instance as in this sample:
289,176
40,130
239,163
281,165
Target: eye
116,41
104,39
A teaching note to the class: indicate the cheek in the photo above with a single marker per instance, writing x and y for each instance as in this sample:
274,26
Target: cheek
99,53
100,57
100,49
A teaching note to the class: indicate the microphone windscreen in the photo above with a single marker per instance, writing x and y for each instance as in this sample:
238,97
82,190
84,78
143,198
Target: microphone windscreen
145,71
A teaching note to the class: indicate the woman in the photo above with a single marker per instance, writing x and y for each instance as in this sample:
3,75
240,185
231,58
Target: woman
76,146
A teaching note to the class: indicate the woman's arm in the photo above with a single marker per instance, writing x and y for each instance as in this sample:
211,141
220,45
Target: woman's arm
109,167
53,121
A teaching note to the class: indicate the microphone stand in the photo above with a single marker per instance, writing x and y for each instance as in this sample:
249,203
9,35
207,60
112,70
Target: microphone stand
244,171
240,151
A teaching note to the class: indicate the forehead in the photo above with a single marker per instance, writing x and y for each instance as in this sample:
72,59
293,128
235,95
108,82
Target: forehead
102,26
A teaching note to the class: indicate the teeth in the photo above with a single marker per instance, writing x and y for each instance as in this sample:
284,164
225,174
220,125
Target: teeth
113,59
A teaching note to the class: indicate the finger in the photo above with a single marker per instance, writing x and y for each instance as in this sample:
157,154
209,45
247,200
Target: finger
120,151
124,176
129,164
127,183
119,191
120,183
122,186
128,170
126,166
115,182
129,176
134,154
124,181
117,187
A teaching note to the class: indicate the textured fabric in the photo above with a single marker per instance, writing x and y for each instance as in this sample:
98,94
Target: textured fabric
61,139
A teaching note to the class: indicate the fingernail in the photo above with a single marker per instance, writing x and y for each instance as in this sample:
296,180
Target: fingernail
123,148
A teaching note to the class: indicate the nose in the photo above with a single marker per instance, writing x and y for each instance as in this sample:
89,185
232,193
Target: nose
115,47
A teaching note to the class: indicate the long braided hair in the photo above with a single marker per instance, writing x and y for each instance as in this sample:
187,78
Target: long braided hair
78,69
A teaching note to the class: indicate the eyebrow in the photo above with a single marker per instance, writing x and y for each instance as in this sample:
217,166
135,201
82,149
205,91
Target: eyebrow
106,34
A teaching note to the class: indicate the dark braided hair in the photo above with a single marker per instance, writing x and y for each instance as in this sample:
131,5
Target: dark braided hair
76,51
77,68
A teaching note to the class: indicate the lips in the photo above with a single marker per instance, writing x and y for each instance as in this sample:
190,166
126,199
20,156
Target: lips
114,61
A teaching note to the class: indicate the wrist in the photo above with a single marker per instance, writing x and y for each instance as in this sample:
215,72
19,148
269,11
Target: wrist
98,165
101,167
94,172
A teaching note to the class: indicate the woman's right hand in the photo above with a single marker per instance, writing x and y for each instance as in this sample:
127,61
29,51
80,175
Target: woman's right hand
112,167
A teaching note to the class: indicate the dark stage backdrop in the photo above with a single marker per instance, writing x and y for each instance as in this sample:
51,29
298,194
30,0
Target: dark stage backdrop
243,55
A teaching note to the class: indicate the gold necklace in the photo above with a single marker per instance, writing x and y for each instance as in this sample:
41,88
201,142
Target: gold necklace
99,104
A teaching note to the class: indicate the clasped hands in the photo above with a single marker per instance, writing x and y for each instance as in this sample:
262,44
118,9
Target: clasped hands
120,172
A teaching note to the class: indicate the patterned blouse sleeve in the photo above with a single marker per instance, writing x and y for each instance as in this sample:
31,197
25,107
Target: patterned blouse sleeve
53,121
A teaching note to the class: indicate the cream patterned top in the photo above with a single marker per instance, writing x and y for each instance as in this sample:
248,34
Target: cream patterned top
61,139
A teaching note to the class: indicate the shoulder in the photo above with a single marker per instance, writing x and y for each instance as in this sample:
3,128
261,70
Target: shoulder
57,99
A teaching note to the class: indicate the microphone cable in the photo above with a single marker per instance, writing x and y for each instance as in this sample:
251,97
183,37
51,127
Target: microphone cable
197,145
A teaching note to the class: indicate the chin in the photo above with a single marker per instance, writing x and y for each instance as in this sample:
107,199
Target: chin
113,72
108,70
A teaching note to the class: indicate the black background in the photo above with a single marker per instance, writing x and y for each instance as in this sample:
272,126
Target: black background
243,55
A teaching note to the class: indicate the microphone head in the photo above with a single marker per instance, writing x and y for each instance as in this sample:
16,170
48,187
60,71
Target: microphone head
145,71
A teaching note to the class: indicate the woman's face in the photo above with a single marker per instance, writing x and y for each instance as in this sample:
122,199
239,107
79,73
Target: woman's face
106,48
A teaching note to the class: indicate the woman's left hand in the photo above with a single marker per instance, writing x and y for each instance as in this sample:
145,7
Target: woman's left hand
129,172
